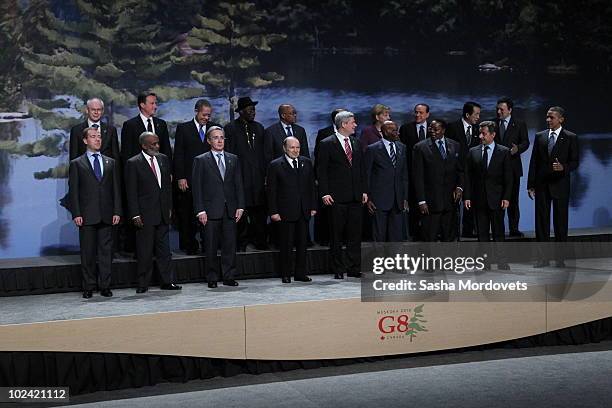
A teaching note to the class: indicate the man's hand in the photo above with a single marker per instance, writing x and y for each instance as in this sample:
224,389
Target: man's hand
313,213
514,149
275,217
137,221
505,204
78,221
239,213
467,204
203,218
371,207
531,193
116,219
424,209
182,185
327,200
364,198
557,166
457,194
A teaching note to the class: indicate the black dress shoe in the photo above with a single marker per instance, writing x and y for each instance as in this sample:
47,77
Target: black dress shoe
354,275
170,286
303,279
106,293
286,280
503,266
339,276
142,290
230,282
541,264
212,285
87,294
516,234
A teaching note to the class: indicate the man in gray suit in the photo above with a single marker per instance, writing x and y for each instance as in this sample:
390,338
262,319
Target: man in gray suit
218,202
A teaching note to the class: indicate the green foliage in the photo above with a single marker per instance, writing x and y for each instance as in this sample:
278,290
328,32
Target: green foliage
166,93
58,172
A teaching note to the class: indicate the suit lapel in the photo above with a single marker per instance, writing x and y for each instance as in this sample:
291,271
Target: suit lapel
106,165
85,161
559,143
340,148
147,166
212,162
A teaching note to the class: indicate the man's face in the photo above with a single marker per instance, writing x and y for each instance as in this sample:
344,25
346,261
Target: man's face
474,117
203,115
436,130
151,145
390,132
149,107
93,141
248,113
554,120
216,140
289,115
292,148
486,137
348,127
420,114
94,110
503,111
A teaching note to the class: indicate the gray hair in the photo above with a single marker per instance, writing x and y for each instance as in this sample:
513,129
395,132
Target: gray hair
490,125
94,99
144,135
213,128
290,137
342,117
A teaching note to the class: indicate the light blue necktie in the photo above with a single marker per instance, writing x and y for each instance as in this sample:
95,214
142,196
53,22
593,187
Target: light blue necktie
551,142
221,165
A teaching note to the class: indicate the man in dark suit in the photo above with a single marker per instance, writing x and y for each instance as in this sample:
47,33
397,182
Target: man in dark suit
276,134
387,171
218,200
149,196
488,184
321,222
438,182
465,132
512,133
553,157
189,142
343,188
110,143
411,134
245,139
291,203
95,203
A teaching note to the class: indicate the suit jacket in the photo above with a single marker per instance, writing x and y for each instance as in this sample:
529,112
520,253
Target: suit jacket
252,160
211,193
487,188
455,131
388,185
110,142
144,196
516,133
188,145
410,137
369,135
95,201
273,141
345,182
291,193
131,131
541,174
435,179
322,134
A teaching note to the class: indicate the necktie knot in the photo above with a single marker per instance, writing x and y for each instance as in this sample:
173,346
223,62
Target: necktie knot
295,164
289,132
95,126
149,125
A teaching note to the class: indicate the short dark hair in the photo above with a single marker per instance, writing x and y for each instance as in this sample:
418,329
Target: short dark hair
468,108
507,101
558,109
86,132
142,97
200,103
442,122
422,104
335,112
490,125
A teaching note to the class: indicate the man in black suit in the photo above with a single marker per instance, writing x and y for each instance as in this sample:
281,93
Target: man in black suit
276,134
245,139
343,188
291,203
465,132
553,157
512,133
189,142
110,143
95,203
218,200
321,222
411,134
149,196
438,182
488,184
387,171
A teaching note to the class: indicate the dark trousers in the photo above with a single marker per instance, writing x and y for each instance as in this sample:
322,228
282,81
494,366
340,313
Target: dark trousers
153,239
187,221
96,243
220,231
252,226
345,226
560,209
487,219
514,214
321,226
414,222
387,225
443,223
292,233
468,222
